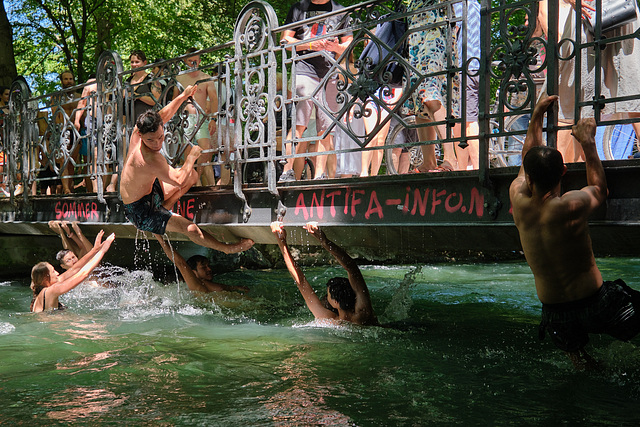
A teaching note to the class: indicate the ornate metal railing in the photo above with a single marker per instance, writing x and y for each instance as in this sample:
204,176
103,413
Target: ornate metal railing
253,77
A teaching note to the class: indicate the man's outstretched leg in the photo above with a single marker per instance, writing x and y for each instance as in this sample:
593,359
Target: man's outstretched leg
180,224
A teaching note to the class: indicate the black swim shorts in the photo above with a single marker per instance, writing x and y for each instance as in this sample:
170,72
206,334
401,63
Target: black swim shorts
148,214
613,310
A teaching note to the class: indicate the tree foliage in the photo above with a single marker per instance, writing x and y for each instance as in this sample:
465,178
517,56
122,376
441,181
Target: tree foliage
51,36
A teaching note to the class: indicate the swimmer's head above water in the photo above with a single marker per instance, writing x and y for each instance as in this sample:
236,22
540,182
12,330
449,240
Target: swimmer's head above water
340,293
544,167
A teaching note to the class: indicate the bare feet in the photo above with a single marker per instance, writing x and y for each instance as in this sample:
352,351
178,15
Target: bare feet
446,166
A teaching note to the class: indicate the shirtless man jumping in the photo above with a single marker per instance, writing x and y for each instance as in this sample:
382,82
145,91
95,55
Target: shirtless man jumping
207,98
149,186
555,238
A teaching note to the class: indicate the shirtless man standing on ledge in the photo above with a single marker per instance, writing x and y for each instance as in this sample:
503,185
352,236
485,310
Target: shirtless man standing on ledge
555,238
149,187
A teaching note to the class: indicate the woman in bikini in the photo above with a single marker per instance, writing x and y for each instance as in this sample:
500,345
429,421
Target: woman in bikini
47,284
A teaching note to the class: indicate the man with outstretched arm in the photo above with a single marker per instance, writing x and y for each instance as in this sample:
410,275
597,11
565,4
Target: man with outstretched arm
196,271
555,238
149,186
349,297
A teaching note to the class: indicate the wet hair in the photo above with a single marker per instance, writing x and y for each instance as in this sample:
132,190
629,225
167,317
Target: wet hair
149,121
340,290
39,273
193,261
140,54
61,254
544,166
326,304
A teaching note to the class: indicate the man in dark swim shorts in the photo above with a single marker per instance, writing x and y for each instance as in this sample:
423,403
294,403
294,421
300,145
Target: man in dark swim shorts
148,214
613,310
149,186
554,232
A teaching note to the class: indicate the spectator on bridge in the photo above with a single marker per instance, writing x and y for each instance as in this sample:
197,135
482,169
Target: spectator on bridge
469,155
202,116
85,123
149,187
372,159
196,271
142,93
309,73
428,100
47,284
348,298
63,106
4,101
619,61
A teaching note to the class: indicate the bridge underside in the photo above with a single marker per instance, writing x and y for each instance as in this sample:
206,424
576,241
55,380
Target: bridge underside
398,219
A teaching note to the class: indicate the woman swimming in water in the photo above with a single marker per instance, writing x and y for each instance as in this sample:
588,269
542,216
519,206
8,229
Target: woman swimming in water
47,284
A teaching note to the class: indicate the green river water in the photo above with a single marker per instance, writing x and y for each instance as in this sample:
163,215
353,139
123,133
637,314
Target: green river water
460,348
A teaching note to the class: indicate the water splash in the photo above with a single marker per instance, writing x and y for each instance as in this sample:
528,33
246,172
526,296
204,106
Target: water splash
398,308
6,328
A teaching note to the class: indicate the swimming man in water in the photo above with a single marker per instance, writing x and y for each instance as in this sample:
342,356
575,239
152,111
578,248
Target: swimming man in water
149,187
555,238
349,297
196,271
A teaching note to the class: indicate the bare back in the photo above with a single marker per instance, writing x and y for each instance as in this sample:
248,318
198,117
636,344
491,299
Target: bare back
555,238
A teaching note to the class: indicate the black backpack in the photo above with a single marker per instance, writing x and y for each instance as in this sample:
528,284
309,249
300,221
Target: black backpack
390,33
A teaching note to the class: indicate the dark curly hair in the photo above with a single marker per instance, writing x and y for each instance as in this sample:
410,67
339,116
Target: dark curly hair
340,290
149,121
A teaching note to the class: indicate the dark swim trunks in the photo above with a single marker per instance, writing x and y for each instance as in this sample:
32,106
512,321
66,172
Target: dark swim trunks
613,310
148,214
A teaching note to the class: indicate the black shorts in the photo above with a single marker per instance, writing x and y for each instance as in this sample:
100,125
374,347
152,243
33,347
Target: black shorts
613,310
148,214
48,183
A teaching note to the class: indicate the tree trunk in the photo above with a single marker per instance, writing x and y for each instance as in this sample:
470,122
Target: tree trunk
8,70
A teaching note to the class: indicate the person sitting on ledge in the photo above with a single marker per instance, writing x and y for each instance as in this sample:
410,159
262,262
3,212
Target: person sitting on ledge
47,284
196,271
149,187
348,297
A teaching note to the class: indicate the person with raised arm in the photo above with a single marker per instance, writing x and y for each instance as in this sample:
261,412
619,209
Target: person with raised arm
348,298
196,271
47,284
554,233
149,186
